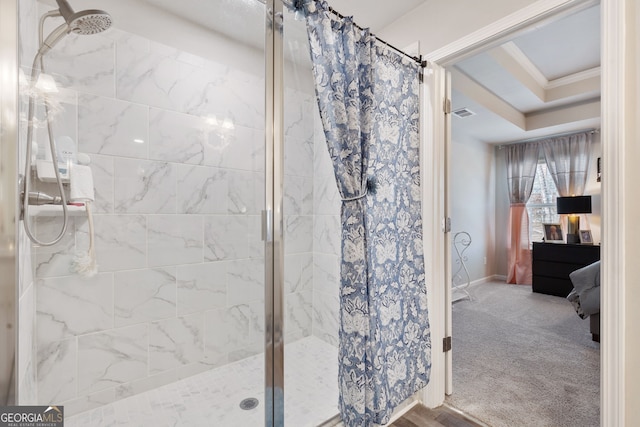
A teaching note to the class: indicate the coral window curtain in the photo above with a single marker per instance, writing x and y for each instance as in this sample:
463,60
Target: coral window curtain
522,160
369,106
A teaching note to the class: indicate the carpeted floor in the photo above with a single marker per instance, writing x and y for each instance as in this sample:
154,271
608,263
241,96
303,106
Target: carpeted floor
522,359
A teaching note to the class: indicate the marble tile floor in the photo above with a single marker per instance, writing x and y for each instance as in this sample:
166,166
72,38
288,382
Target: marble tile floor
213,398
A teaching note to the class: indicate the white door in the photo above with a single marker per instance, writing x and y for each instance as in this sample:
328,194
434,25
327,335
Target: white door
437,246
446,229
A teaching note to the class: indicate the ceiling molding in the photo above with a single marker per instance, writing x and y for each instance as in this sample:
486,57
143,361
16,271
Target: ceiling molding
539,119
487,99
518,55
574,78
506,28
514,51
583,88
551,106
563,115
581,84
509,57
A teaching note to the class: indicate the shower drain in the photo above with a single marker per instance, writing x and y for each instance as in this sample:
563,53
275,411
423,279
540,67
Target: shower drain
249,403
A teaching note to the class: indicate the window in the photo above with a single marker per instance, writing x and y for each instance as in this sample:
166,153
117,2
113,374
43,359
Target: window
541,206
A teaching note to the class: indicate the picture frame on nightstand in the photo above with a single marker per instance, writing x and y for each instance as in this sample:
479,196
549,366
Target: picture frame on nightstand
585,237
553,233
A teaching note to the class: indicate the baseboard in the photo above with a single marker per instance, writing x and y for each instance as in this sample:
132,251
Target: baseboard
493,278
463,291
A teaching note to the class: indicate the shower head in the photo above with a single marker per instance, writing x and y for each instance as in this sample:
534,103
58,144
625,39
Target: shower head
91,21
84,22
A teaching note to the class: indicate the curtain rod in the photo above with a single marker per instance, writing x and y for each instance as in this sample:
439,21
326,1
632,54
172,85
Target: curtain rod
417,59
297,5
557,135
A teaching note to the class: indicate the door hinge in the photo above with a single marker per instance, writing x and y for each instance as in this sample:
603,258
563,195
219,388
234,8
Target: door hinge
447,106
446,344
446,225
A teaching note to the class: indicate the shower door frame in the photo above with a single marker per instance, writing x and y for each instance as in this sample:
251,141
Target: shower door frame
272,216
9,194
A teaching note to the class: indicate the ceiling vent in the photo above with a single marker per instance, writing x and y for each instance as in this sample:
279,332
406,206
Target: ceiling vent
464,113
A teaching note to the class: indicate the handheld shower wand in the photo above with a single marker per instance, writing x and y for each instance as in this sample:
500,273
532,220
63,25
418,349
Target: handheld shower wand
84,22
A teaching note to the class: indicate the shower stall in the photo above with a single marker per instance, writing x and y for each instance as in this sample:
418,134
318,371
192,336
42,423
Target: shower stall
215,222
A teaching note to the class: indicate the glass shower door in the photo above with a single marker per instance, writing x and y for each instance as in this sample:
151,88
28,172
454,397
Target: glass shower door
311,243
169,107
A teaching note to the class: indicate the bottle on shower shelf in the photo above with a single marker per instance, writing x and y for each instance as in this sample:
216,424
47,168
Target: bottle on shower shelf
66,151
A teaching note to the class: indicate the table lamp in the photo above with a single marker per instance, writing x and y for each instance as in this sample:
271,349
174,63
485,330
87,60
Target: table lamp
573,206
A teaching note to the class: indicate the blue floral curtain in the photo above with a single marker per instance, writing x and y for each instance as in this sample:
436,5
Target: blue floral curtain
369,105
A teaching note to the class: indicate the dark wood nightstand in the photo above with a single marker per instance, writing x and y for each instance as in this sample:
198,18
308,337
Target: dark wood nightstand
552,263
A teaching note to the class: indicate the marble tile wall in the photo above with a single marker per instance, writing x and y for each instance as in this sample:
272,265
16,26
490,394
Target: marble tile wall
177,153
298,219
327,242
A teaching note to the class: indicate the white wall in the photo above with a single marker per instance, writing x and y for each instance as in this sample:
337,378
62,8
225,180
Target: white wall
473,202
